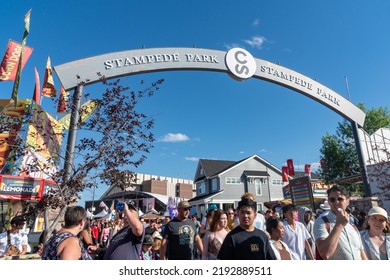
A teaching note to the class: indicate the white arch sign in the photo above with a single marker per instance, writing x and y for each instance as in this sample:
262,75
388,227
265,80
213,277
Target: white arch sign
237,62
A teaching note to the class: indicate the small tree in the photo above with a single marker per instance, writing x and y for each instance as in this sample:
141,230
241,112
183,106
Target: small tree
118,138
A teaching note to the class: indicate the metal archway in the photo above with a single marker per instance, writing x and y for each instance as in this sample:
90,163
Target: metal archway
237,62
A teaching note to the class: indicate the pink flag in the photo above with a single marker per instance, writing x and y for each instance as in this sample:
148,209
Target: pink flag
9,64
307,170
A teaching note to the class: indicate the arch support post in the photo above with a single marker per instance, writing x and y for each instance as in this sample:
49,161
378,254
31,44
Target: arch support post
363,168
72,136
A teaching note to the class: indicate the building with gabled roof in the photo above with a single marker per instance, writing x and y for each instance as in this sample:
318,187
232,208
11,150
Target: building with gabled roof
222,182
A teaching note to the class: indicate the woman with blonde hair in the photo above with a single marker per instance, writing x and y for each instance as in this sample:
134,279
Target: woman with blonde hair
376,236
214,237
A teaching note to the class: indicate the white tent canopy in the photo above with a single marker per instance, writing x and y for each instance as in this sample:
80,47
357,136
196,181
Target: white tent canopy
102,214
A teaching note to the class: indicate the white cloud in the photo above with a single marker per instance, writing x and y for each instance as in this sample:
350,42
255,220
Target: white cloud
315,166
241,152
263,151
256,22
231,46
192,158
174,137
256,41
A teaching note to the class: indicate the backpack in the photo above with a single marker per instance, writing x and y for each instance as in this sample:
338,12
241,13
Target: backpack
327,225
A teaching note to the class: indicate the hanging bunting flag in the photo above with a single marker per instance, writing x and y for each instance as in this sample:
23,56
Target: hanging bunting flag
63,101
285,173
48,88
307,170
290,165
9,64
37,90
19,71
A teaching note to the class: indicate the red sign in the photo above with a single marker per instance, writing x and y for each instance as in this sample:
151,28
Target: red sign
290,165
20,188
9,65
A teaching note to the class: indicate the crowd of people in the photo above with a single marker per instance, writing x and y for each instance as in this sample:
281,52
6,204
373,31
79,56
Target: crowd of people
232,234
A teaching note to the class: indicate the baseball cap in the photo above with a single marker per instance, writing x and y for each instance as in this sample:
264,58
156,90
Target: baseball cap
184,205
378,211
148,240
211,207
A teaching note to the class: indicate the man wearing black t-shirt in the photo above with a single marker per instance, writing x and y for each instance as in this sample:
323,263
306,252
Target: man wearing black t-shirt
179,236
127,243
245,242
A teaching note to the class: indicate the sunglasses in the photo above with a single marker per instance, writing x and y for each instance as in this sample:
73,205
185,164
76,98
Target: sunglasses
231,213
333,199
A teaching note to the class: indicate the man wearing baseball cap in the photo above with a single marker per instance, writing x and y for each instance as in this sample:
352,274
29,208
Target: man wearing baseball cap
180,235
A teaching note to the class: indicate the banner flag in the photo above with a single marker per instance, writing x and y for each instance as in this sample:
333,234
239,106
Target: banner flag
63,101
285,173
37,90
11,58
19,71
290,165
48,88
307,170
86,110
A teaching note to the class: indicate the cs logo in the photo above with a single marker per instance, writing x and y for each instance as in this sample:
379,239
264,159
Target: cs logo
240,63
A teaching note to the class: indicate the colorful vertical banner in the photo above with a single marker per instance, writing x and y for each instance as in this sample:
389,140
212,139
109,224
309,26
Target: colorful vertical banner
44,136
9,64
10,127
48,88
63,101
307,170
19,70
37,90
290,166
285,173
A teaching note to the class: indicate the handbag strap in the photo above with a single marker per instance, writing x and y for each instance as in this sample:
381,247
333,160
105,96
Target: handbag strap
8,238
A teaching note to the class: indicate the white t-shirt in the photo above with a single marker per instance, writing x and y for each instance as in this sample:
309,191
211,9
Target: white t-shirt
17,239
295,239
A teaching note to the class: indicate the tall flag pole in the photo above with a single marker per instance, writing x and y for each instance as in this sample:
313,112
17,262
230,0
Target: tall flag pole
18,73
48,88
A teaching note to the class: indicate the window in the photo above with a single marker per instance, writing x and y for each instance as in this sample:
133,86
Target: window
258,186
214,184
233,180
202,188
259,207
276,182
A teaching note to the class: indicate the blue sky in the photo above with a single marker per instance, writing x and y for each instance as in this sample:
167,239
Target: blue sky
208,114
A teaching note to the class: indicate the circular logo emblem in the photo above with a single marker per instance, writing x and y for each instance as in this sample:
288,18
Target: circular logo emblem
241,63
